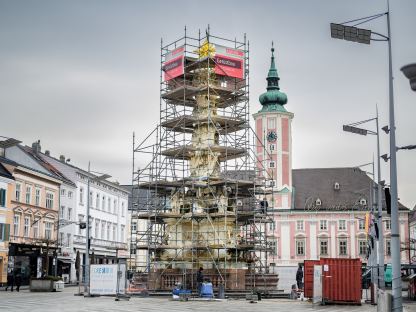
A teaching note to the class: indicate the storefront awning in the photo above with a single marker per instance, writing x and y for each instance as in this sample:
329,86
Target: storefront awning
66,260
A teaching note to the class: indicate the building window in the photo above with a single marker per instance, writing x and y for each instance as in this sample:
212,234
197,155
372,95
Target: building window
28,194
115,206
273,247
362,247
114,232
97,228
361,224
2,198
26,227
323,225
108,231
133,249
272,226
49,200
68,237
272,147
102,230
97,201
342,244
36,229
37,197
48,230
69,214
134,227
272,183
388,247
16,223
388,224
81,195
300,247
3,230
271,123
62,212
323,247
61,238
109,204
122,234
271,164
342,225
69,194
122,209
63,192
103,203
18,191
299,225
318,202
90,199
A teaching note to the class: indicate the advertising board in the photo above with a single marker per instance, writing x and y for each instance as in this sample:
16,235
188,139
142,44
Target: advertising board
107,279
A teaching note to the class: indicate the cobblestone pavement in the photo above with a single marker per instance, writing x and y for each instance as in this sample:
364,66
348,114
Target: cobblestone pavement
66,301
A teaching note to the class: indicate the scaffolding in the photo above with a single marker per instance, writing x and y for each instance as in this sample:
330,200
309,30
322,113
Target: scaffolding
198,188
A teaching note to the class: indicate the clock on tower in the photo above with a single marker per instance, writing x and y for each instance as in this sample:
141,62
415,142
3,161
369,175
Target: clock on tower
271,136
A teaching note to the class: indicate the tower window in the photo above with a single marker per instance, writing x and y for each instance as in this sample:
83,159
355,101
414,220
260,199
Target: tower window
272,147
272,164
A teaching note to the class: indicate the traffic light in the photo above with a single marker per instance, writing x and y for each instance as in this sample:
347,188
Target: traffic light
388,199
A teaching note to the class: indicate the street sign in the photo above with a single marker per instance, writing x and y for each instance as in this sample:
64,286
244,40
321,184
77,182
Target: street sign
356,130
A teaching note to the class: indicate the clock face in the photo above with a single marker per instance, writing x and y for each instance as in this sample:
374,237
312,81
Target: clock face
271,136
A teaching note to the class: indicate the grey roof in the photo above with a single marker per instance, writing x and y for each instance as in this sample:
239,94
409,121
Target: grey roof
354,185
5,173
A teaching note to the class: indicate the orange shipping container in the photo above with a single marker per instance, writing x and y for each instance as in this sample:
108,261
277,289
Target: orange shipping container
341,280
308,277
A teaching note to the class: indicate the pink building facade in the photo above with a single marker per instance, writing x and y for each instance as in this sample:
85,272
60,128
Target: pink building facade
317,212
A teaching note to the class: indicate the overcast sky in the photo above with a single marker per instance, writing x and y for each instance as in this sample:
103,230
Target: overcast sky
81,76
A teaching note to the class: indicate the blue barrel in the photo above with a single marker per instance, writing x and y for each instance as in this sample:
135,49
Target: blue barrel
206,290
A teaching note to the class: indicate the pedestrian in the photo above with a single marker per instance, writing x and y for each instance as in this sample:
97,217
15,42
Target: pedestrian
10,280
18,280
200,279
299,277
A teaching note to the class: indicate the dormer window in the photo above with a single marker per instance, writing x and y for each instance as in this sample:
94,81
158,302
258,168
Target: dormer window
336,186
363,202
318,202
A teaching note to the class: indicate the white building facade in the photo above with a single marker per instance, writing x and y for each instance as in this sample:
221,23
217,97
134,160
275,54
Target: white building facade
108,217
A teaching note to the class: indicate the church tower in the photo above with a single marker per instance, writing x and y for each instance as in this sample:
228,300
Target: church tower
274,141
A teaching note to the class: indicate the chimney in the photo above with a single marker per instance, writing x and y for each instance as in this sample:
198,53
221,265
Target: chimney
36,147
47,153
62,158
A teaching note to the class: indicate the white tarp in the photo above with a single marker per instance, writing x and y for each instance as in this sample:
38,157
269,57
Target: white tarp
105,279
317,284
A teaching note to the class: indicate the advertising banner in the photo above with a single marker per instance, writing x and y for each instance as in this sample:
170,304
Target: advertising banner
174,64
107,279
229,62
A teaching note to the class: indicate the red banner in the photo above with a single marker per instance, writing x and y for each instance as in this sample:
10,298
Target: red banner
173,68
174,64
229,62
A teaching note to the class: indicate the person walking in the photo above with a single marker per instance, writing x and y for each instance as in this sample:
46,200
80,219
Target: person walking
299,277
200,279
10,280
18,280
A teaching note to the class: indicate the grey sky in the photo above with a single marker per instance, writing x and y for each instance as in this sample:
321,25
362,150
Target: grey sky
81,76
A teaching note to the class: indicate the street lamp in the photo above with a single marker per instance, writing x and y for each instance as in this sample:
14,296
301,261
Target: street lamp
87,236
354,129
410,72
352,33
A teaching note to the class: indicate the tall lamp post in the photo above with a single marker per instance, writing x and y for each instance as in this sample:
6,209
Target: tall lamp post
87,235
352,33
354,129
